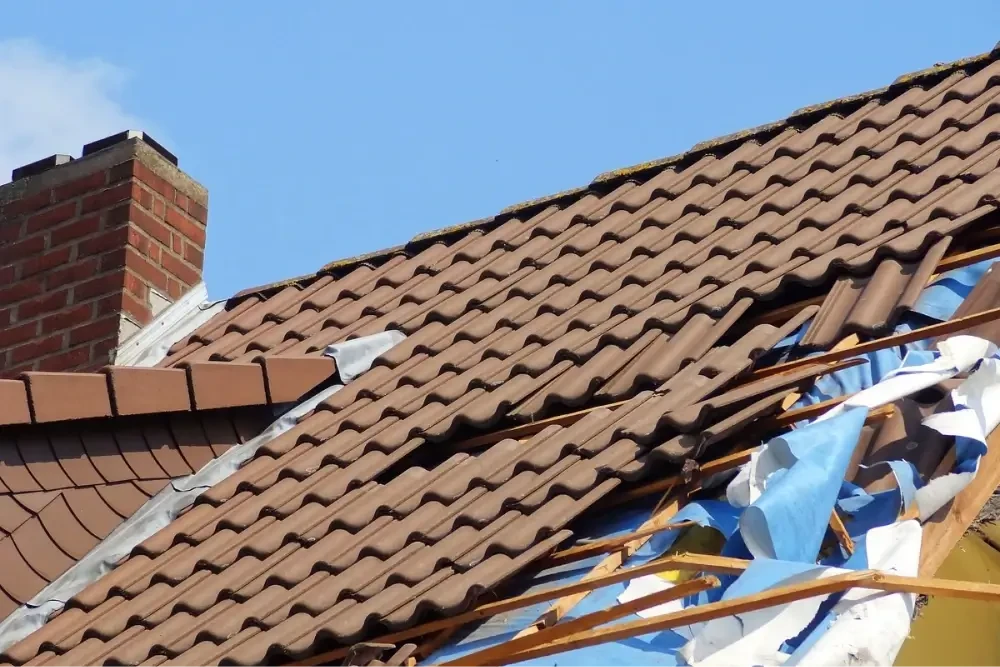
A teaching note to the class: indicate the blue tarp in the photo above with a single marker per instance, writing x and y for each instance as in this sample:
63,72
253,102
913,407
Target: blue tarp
793,513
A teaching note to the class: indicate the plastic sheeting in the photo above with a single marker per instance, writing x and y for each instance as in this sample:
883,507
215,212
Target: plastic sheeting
353,358
783,502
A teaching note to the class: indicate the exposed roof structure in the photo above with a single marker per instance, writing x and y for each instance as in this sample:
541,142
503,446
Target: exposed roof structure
652,295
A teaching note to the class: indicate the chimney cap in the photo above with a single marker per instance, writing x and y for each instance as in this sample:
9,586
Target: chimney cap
107,142
39,166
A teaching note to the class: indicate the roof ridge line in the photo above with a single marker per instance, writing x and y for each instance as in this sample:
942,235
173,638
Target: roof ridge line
611,179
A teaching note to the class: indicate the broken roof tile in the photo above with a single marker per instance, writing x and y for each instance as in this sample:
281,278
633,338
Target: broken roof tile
872,303
642,286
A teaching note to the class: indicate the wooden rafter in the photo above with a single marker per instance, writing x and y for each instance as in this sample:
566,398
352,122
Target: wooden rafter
517,650
943,530
661,516
523,431
734,459
688,562
597,618
948,328
598,547
951,262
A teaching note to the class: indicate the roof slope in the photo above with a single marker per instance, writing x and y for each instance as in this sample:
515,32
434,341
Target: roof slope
64,487
647,286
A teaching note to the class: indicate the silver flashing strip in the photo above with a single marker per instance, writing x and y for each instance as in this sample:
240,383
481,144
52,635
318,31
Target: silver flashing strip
353,358
149,346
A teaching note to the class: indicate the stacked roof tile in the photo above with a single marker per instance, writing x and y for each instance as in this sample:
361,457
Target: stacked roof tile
648,288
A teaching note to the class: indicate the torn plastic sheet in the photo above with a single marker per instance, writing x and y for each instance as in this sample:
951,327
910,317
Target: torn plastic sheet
862,626
150,344
943,296
653,649
353,358
857,627
794,484
919,370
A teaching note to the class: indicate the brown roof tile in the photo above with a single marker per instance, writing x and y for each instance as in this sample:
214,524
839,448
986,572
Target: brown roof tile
68,485
642,287
872,303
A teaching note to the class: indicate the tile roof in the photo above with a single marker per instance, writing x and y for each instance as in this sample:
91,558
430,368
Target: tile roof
64,487
646,287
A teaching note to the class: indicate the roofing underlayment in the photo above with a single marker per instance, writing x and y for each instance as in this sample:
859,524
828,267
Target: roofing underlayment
658,299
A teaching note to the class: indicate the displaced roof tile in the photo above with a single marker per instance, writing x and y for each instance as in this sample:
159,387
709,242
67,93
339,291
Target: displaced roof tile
645,287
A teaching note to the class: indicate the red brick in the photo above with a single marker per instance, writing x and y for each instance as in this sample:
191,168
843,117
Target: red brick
65,319
28,204
39,263
118,216
109,240
94,330
157,184
151,226
146,199
37,348
136,286
137,310
198,212
110,304
13,372
113,260
106,198
154,253
74,230
17,334
79,186
22,290
10,230
176,243
145,270
190,230
159,209
50,217
194,255
45,303
85,268
66,361
179,269
121,172
99,350
181,201
102,285
22,249
174,289
5,315
140,242
6,274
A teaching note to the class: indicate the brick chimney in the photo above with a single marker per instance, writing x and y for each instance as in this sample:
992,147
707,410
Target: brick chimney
91,249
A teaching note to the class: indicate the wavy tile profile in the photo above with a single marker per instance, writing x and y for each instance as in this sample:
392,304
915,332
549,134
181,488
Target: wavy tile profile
64,488
646,292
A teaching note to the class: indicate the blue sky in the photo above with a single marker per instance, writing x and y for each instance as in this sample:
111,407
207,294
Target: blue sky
323,130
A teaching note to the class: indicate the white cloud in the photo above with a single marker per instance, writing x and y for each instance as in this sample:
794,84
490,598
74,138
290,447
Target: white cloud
50,104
